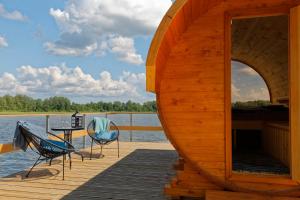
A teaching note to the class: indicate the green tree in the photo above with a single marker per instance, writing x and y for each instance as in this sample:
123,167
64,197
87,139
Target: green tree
62,104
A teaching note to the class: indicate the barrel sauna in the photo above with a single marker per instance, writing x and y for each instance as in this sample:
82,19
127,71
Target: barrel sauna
188,67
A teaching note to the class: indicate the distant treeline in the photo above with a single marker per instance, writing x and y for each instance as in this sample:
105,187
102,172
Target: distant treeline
250,104
22,103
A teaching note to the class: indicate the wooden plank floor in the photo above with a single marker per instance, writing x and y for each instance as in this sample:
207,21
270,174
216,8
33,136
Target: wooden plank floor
140,173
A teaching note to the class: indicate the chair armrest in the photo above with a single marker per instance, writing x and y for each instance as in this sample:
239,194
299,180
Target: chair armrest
56,136
116,128
59,147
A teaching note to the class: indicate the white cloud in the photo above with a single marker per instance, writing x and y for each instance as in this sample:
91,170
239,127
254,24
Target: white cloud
133,78
3,42
247,84
139,80
58,49
72,82
122,17
248,71
7,82
124,48
259,94
247,93
235,92
14,15
83,23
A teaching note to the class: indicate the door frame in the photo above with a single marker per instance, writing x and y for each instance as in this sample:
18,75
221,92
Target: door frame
294,133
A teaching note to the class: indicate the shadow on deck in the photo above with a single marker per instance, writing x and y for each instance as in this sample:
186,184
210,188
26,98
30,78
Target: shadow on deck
140,173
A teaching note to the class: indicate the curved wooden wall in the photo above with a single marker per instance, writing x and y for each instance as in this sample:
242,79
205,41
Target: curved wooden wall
186,68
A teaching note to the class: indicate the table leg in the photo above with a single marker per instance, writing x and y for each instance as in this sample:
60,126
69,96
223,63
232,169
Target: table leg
66,137
70,140
70,135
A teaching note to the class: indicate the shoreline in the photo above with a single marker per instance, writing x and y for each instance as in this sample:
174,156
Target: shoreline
15,114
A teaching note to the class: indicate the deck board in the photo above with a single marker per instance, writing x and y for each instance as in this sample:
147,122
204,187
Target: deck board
140,173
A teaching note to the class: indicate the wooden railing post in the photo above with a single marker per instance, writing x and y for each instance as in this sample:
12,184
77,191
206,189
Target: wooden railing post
47,123
83,137
130,132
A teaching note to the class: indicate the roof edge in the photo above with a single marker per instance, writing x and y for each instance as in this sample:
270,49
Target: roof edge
156,43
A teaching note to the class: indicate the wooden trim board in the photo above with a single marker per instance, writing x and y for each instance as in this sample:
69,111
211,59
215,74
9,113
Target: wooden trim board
295,90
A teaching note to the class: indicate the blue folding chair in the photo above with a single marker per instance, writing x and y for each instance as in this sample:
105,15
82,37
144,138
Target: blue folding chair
103,132
47,149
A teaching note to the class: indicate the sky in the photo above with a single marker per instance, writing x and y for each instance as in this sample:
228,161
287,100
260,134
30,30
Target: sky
86,50
247,84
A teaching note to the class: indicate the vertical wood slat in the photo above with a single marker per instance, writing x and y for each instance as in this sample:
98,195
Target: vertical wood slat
276,142
294,89
195,49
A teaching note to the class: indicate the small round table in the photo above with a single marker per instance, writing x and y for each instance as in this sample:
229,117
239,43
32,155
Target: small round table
67,132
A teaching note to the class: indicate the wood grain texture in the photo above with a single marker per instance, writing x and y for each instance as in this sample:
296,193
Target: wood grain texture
220,195
132,176
189,73
295,90
276,142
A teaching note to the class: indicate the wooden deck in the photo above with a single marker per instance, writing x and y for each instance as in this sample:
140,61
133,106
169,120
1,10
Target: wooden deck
140,173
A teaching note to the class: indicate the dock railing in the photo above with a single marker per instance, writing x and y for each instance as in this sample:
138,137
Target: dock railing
9,147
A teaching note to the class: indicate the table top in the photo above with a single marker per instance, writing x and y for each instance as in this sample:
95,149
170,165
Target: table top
66,128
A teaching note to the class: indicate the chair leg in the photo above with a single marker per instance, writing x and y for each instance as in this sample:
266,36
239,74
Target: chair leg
91,149
118,148
50,162
64,156
78,153
70,160
101,155
36,162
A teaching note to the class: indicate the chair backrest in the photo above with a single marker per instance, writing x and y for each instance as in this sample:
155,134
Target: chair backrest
32,139
91,128
37,139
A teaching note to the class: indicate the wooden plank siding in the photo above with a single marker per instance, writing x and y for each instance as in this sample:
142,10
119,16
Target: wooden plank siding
295,90
276,142
191,101
190,73
220,195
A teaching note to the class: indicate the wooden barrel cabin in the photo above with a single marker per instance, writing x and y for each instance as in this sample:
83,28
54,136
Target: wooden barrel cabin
228,152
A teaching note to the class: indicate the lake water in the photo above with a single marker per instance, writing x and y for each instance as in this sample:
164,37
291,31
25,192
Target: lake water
17,161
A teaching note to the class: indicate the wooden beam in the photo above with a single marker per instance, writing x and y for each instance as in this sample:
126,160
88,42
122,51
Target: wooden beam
247,124
222,195
295,90
5,148
140,128
227,94
157,41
